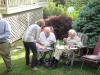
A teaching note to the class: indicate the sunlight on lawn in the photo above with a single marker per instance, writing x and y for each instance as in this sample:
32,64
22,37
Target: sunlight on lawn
15,54
18,53
18,56
1,61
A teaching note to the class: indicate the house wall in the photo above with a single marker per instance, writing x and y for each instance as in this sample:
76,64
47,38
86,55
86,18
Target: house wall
20,21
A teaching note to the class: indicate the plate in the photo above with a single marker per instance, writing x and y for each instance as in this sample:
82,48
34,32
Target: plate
73,48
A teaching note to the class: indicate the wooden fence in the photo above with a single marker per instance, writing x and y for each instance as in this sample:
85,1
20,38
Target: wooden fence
20,21
14,3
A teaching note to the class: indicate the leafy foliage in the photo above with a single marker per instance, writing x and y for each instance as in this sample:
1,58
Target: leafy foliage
52,9
88,21
60,9
63,2
61,25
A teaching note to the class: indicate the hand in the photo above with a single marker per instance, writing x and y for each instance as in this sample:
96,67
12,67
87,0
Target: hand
51,42
47,44
65,39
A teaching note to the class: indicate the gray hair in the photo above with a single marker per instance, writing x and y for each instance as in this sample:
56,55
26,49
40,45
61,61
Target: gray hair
72,31
47,29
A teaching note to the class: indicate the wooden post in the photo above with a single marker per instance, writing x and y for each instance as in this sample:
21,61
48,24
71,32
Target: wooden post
7,5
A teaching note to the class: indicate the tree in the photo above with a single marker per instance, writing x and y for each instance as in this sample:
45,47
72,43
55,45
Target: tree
88,21
61,25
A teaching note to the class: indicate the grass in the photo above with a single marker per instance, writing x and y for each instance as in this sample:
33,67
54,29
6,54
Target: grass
19,67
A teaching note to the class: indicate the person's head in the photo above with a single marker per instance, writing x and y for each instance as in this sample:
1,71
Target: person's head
41,22
47,31
72,33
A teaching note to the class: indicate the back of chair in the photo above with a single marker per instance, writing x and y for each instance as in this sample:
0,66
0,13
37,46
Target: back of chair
97,47
83,37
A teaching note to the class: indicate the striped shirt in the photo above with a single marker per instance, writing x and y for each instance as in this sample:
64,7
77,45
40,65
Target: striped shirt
32,33
5,31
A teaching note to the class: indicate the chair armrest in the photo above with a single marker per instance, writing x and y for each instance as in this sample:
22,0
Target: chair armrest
88,48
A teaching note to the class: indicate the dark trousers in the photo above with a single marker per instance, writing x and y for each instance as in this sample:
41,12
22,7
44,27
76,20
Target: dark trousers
30,46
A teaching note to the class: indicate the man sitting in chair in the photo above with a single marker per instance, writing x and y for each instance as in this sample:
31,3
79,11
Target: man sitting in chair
46,39
71,40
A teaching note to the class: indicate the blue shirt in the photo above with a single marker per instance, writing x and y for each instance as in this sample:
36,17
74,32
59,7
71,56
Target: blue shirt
5,31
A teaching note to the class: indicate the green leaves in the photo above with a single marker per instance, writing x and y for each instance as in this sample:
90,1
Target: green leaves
52,9
88,21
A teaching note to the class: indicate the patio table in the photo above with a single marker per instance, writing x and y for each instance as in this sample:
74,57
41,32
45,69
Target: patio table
69,49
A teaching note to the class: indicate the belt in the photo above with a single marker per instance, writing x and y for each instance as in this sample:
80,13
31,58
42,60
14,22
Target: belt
2,42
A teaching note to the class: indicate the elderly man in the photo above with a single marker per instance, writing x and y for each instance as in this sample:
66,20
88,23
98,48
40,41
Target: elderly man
5,33
47,38
71,41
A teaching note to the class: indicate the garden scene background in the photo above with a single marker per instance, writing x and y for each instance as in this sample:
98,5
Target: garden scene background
85,18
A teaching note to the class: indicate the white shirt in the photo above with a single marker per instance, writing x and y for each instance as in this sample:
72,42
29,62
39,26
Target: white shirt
46,40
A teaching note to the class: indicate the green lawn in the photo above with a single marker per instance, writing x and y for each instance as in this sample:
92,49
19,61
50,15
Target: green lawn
19,68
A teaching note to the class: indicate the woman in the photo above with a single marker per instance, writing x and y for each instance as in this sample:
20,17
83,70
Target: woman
30,37
71,41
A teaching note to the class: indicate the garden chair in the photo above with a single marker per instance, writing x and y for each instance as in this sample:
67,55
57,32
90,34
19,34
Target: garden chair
84,39
43,53
76,53
79,52
95,57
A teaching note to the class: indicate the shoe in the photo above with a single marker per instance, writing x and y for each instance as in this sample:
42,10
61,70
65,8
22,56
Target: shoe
34,69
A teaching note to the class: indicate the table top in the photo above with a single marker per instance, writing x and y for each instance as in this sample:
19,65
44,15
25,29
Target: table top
45,49
65,47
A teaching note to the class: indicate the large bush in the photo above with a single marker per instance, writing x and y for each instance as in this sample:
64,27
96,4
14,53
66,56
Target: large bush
61,25
88,21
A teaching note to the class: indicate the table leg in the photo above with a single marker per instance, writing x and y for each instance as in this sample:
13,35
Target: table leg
72,59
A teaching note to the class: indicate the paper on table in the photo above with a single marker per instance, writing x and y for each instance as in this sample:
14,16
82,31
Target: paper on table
60,47
73,48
